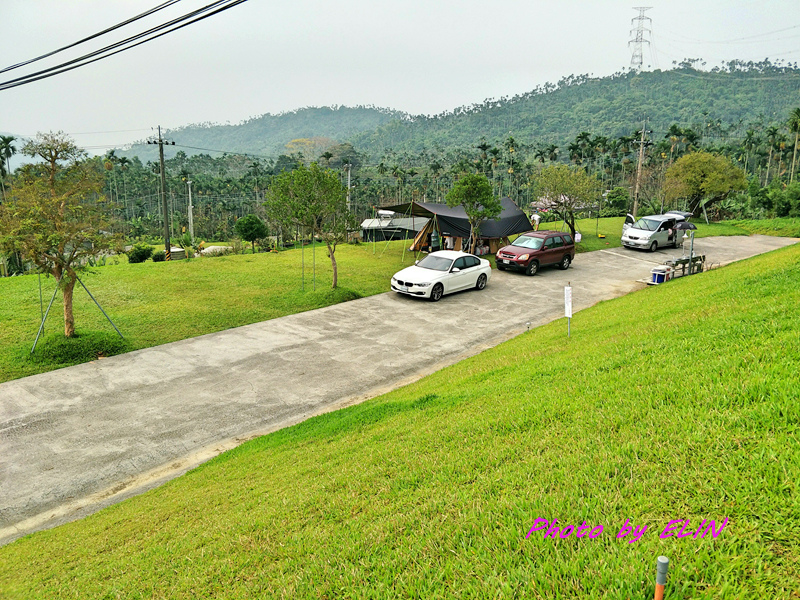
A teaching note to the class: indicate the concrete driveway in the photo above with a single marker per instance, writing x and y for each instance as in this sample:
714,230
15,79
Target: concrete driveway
77,439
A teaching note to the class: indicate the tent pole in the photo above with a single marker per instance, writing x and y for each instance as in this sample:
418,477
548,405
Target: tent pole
405,238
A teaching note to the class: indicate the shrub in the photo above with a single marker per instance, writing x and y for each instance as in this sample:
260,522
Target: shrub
139,253
159,256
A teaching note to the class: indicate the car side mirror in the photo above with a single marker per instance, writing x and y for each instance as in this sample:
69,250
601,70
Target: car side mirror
455,270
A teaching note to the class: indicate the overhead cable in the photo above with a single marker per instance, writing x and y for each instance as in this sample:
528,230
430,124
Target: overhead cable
126,44
91,37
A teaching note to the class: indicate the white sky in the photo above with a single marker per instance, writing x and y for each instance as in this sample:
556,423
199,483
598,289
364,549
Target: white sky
418,56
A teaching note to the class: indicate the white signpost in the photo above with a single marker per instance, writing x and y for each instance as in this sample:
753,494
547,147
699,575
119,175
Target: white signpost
568,307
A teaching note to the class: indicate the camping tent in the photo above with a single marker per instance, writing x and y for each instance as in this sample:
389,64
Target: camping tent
391,226
446,221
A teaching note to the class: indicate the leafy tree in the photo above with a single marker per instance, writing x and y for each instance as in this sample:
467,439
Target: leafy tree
566,190
617,201
312,198
55,216
474,193
250,228
703,178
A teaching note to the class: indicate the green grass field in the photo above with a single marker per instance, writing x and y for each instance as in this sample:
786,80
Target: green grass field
155,303
676,402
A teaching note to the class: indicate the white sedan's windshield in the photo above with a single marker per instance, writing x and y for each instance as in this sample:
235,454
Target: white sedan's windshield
435,263
524,241
646,224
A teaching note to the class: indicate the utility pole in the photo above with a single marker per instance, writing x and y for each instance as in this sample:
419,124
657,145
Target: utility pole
638,39
161,142
348,166
639,171
191,218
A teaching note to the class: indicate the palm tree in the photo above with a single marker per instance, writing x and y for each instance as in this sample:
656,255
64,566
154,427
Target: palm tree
772,136
124,164
7,150
674,135
495,152
575,153
435,168
399,175
750,143
780,147
794,125
111,161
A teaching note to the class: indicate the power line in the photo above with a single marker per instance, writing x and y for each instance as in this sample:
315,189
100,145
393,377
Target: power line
91,37
749,38
126,44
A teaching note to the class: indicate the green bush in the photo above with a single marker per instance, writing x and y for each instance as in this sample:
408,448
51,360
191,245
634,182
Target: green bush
159,256
139,253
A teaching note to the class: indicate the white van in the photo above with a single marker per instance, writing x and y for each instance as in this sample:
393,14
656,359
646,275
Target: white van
652,232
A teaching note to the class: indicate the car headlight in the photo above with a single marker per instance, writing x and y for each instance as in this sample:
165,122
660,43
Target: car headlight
524,257
422,285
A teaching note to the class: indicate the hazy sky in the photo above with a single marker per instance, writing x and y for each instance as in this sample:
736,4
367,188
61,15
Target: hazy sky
418,56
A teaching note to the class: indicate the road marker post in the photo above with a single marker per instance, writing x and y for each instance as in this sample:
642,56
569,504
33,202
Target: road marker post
662,566
568,307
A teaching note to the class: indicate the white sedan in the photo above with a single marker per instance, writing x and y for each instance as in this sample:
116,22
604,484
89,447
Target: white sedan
442,273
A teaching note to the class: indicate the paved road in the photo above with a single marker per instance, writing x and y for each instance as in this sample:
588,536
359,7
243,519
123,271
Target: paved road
77,439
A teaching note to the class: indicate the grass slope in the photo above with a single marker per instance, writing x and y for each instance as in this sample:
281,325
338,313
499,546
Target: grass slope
677,402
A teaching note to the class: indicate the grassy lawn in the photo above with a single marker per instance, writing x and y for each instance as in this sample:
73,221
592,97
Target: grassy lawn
429,491
155,303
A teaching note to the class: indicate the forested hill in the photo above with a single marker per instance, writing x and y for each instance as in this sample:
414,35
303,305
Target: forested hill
721,103
268,135
718,103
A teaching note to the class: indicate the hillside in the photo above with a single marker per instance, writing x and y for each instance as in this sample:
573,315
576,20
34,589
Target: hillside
268,135
717,104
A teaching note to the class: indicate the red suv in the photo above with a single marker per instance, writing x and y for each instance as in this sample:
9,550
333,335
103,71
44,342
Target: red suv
536,249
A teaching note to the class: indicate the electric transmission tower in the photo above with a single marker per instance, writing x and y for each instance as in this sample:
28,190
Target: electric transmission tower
638,33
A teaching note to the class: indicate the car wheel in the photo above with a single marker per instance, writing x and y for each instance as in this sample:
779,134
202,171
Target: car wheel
653,246
437,292
500,267
564,264
532,268
481,283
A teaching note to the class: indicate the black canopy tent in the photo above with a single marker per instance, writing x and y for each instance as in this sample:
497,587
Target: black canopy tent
453,221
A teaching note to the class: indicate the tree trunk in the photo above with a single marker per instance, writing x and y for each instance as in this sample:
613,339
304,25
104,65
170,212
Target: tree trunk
331,250
69,319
